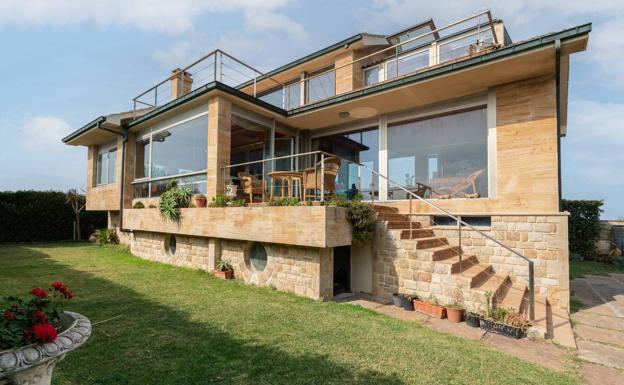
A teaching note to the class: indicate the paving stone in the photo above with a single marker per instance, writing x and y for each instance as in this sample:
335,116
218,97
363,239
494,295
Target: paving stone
600,375
601,321
601,354
606,336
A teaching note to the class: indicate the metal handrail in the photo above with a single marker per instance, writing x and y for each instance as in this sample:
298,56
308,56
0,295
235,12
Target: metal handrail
458,219
394,47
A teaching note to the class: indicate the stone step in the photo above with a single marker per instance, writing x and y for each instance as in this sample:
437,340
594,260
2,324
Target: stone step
417,233
515,298
475,274
402,225
385,209
451,265
441,252
392,217
427,243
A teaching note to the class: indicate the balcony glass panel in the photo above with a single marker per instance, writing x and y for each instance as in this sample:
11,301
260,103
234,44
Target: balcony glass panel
407,64
321,87
447,153
181,149
461,47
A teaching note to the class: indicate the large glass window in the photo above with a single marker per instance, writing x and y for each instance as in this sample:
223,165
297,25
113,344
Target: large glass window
360,146
321,87
106,166
447,153
172,153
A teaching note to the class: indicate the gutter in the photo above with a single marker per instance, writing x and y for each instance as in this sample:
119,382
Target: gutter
97,122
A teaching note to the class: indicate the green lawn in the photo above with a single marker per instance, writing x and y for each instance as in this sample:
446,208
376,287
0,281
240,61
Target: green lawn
180,326
580,268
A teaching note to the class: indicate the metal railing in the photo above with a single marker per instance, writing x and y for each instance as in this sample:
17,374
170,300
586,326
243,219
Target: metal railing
216,65
219,66
317,159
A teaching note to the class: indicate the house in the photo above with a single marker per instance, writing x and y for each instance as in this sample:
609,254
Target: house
433,124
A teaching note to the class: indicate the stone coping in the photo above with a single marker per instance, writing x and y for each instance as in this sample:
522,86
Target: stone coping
77,331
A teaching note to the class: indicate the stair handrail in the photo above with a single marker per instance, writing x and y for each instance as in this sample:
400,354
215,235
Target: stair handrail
459,222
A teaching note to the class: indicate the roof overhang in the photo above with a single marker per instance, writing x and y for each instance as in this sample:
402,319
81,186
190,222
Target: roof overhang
101,129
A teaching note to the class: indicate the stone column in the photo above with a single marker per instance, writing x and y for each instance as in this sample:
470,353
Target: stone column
349,77
219,137
128,170
214,253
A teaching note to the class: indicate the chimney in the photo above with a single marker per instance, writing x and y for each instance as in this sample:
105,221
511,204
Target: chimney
181,83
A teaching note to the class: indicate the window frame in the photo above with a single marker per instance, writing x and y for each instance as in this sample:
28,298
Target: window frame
148,133
107,149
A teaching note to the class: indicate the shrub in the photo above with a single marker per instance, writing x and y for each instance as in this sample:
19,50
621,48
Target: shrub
225,201
138,205
36,320
105,236
172,200
285,202
362,218
584,226
35,216
224,265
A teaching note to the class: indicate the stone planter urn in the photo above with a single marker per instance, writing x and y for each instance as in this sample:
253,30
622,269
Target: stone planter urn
33,364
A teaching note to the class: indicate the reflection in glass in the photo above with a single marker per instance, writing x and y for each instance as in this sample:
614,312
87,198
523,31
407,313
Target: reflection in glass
321,87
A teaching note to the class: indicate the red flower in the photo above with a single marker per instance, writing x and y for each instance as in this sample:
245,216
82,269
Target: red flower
58,286
9,315
39,293
44,332
68,294
40,316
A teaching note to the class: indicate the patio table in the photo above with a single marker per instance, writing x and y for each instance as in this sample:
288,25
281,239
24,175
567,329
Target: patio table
285,176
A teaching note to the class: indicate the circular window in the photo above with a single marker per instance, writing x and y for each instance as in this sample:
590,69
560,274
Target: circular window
258,257
171,244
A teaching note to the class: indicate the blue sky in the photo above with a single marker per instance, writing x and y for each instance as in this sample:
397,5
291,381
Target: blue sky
67,62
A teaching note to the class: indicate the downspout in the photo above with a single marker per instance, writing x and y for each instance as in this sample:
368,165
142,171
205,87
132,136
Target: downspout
123,168
558,107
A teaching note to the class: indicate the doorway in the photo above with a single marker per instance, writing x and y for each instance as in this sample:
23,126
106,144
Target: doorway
342,269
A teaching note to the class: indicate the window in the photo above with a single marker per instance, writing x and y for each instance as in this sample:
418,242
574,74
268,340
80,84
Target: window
175,152
322,86
371,75
447,153
106,167
258,257
171,244
412,34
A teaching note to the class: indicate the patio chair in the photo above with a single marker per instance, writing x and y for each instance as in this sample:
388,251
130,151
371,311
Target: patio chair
458,188
312,178
250,185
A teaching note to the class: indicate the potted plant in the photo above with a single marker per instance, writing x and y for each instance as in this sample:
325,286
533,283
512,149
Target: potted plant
430,307
200,200
455,310
473,319
502,321
35,334
407,302
224,270
396,299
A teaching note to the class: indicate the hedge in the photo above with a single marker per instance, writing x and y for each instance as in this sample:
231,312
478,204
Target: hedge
32,216
584,226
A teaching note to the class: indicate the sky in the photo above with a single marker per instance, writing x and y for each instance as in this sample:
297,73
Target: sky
66,62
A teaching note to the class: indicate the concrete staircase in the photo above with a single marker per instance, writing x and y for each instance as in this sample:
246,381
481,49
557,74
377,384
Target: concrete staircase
446,276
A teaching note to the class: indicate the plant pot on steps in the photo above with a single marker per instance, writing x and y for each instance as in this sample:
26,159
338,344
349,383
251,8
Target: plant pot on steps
430,309
33,364
473,319
406,303
502,329
396,299
455,315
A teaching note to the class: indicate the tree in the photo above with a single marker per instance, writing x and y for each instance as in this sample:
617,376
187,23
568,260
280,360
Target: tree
77,202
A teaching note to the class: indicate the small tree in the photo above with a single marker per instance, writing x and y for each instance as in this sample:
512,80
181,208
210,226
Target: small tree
77,202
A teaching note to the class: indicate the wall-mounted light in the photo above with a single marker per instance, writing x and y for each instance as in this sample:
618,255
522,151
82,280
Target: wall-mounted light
343,114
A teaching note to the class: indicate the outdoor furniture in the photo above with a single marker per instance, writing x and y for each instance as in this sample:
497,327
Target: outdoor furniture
422,190
312,178
285,178
458,188
250,185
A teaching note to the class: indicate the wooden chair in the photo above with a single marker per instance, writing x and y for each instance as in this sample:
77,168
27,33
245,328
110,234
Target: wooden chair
251,185
312,178
458,188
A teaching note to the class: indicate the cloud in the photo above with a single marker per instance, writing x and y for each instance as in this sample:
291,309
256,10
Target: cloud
44,132
164,16
178,55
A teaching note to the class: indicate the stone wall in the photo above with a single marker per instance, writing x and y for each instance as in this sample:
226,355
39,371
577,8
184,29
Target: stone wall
605,239
305,271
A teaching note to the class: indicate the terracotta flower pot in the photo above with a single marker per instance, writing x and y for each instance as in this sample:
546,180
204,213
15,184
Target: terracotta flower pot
455,315
223,274
430,309
200,201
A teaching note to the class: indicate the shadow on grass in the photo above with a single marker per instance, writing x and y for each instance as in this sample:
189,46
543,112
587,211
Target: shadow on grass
154,344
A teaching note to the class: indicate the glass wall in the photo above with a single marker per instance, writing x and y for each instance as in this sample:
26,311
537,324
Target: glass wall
360,146
446,153
172,153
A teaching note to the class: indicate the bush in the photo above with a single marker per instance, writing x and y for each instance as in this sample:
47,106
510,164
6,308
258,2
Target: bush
362,218
138,205
584,226
172,200
286,202
225,201
105,236
36,216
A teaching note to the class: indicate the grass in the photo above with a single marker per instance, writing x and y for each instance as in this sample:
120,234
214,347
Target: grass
578,269
180,326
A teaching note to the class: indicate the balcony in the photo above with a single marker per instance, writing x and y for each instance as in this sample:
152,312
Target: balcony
404,54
